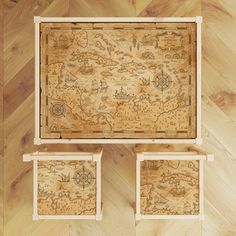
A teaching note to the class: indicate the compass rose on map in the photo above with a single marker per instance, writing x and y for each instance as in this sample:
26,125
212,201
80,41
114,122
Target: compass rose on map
83,178
58,109
162,80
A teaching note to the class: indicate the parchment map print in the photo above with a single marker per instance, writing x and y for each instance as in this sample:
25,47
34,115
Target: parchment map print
169,187
118,80
66,187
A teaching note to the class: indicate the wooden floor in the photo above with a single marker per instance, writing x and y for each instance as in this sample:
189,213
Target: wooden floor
118,163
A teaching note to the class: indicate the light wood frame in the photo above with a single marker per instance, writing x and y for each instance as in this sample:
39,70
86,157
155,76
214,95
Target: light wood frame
43,156
38,19
172,156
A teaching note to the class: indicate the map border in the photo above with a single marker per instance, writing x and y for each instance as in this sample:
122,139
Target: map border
37,20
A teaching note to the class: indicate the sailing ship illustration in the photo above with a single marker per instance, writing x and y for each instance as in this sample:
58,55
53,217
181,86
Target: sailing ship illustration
122,94
96,87
187,208
103,86
64,178
149,40
86,69
42,192
159,199
62,42
178,191
145,81
152,165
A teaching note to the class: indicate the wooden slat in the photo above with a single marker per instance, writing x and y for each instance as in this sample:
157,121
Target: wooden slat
1,125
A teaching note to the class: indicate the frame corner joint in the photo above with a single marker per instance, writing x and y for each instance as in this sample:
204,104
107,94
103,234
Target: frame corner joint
35,217
27,157
97,157
140,157
210,157
98,217
198,141
199,19
138,216
37,141
37,19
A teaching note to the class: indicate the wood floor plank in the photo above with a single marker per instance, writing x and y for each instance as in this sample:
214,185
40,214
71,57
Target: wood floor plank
219,24
220,84
19,49
221,126
160,8
103,8
220,182
22,85
8,6
140,5
216,56
1,123
23,12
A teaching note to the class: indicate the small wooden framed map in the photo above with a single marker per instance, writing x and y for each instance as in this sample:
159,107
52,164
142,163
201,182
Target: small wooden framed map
118,80
170,185
66,185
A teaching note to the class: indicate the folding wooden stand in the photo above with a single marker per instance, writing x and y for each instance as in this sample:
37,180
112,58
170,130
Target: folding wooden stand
118,80
170,185
66,185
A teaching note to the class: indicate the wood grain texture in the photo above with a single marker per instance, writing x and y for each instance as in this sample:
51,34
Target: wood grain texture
118,80
118,163
1,119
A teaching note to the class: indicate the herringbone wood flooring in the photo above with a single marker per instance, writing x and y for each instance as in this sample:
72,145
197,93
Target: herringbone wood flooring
118,164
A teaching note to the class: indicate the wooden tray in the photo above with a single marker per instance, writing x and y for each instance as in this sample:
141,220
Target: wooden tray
170,185
66,185
118,80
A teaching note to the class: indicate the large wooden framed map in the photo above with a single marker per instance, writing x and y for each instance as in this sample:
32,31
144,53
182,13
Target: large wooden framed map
66,185
107,80
170,185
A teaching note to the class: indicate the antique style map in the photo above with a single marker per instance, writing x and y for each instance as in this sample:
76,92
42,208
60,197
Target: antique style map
66,187
169,187
118,80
